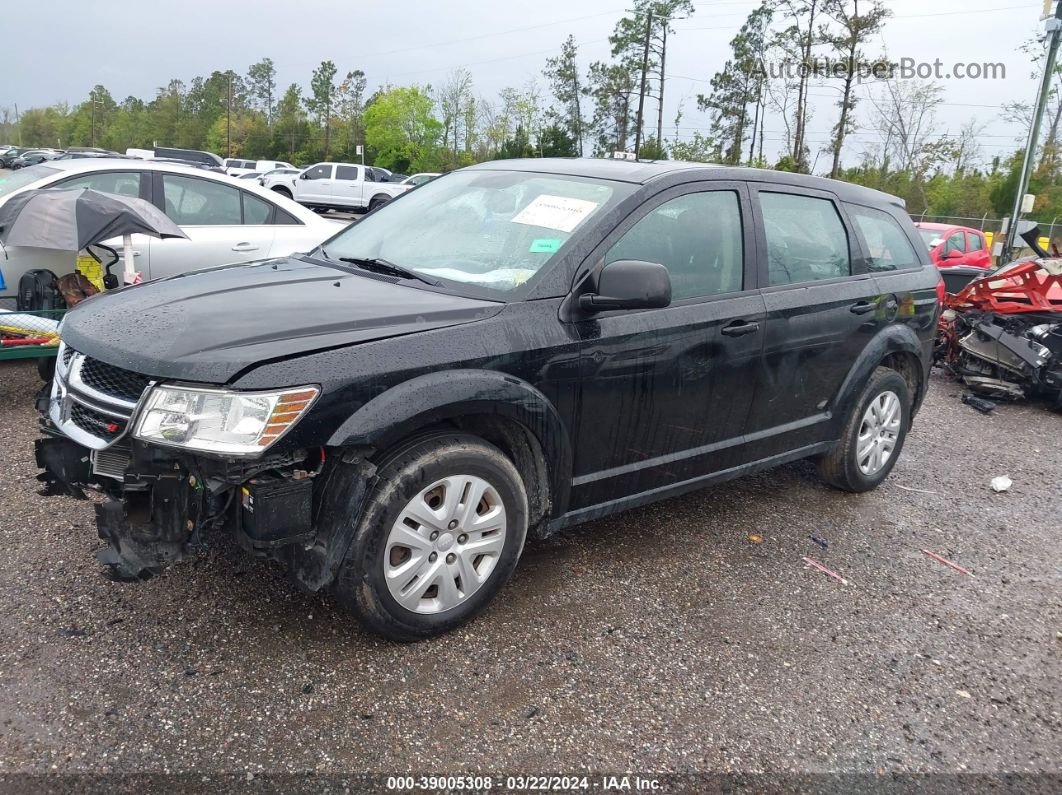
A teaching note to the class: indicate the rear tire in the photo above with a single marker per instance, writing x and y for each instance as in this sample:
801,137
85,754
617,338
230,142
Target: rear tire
873,436
439,536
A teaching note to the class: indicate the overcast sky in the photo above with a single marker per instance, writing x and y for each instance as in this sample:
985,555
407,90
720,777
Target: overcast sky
64,47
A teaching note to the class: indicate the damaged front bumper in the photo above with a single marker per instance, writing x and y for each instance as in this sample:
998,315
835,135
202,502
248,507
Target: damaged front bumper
158,510
158,503
1001,335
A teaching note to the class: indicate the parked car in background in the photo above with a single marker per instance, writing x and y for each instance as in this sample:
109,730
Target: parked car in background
344,186
955,245
82,155
250,175
226,220
208,159
8,156
237,168
277,173
420,179
504,353
35,156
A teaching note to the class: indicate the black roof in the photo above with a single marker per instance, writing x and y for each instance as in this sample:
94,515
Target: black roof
642,172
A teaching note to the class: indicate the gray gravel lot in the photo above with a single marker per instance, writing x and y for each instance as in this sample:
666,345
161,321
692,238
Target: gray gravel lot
658,640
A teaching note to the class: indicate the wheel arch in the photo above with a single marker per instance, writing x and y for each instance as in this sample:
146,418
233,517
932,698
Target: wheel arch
896,347
505,411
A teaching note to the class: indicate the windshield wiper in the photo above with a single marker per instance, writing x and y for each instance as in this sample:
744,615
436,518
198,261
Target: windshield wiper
388,268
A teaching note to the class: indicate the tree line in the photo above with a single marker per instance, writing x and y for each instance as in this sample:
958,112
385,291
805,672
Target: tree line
884,131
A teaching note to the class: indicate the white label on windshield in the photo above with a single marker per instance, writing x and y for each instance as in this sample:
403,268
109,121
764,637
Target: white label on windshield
555,212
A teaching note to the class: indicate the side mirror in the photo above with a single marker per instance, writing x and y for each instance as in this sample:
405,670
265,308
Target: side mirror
954,254
629,284
304,175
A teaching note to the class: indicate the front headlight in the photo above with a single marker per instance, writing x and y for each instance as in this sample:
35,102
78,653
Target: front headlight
221,421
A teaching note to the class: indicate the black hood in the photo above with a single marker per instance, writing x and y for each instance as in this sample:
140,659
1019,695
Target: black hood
211,325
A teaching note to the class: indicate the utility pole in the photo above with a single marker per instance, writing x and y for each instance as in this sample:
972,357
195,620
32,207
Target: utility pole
92,135
1054,32
228,119
660,109
641,93
19,125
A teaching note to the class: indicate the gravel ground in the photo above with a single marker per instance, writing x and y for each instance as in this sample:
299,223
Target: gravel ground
664,639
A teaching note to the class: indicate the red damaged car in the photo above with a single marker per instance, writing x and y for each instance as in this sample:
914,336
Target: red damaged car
1001,334
955,245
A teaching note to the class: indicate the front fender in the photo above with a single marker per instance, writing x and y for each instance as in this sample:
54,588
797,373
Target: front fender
890,340
436,397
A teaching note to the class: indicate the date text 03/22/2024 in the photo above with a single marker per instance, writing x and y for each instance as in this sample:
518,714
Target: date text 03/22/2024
616,783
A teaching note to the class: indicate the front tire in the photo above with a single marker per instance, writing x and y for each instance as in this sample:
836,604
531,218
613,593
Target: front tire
873,437
377,201
439,537
283,192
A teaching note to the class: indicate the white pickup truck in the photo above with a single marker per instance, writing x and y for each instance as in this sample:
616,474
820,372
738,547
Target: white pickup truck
339,186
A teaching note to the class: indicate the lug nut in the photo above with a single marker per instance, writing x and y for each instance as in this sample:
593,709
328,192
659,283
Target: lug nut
461,539
451,558
434,556
434,535
453,524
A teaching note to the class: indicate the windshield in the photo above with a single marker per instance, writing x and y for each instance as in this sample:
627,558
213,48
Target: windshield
930,236
11,181
493,230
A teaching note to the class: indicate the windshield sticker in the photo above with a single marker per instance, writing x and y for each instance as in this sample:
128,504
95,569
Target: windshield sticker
555,212
545,245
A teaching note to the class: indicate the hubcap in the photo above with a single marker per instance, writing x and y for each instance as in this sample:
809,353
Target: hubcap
445,544
878,433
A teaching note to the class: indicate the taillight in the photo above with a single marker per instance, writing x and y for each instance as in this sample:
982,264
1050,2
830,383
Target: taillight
941,291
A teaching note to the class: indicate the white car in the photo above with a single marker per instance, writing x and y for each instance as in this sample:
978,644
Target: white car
343,186
416,180
236,167
226,220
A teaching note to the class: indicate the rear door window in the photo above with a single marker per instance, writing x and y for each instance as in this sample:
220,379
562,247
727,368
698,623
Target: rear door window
974,242
123,183
199,202
349,173
888,248
255,210
806,239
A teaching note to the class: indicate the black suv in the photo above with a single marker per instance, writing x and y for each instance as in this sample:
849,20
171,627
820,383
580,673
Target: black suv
506,351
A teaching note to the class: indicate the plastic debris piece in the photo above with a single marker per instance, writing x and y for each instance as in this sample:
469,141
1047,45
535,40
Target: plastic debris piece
946,562
1002,483
822,542
824,570
983,405
755,539
912,488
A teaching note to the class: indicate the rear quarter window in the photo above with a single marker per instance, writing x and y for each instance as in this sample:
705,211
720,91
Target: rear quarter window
887,246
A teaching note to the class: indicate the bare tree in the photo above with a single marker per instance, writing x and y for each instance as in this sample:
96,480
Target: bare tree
906,121
852,29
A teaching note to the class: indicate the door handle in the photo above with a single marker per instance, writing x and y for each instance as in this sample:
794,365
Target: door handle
861,308
740,328
245,247
121,252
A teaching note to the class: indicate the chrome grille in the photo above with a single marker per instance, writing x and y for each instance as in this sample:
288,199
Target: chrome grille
113,380
93,402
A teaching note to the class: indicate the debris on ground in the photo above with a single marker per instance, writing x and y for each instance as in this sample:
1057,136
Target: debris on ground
912,488
1001,483
983,405
822,542
946,562
755,539
825,570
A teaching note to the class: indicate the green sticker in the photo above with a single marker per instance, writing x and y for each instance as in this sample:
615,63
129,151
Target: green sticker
545,245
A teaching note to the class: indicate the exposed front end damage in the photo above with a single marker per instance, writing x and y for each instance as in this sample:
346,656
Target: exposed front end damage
1001,335
155,505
